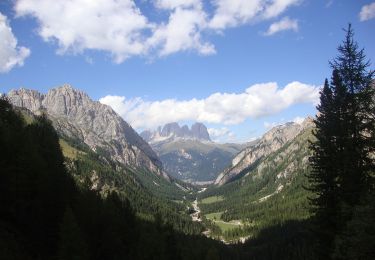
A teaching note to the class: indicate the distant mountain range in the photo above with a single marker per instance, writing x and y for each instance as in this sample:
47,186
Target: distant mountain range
188,153
264,184
173,131
76,116
270,142
250,180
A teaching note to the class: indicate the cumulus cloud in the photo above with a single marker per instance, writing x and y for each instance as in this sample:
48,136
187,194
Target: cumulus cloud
225,108
367,12
118,27
107,25
172,4
11,54
183,31
284,24
221,135
230,13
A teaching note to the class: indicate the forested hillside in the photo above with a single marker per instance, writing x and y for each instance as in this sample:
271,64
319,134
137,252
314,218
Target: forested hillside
77,182
45,215
270,193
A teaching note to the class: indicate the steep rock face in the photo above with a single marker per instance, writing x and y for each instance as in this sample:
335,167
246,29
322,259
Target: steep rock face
75,115
195,161
189,154
173,131
269,143
200,132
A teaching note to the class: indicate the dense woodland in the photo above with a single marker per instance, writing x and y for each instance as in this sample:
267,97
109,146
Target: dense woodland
342,179
85,206
45,215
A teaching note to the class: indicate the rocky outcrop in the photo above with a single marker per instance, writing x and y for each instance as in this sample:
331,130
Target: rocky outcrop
200,132
75,115
273,140
173,131
189,154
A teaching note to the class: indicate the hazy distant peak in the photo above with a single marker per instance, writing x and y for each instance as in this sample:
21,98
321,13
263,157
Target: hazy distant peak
170,131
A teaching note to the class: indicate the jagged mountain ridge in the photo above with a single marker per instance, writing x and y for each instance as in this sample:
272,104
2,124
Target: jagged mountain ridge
268,191
173,131
76,116
189,154
271,141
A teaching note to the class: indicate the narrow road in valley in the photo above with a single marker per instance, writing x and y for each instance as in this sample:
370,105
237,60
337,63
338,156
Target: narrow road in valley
197,211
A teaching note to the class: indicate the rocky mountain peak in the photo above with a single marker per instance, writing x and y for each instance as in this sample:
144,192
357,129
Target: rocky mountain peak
171,128
199,131
27,98
172,131
270,142
75,115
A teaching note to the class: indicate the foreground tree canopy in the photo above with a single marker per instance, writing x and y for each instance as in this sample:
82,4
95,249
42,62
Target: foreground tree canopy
342,178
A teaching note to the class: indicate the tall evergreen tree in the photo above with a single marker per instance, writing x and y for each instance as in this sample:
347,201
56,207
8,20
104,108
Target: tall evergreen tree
323,177
342,158
355,102
72,244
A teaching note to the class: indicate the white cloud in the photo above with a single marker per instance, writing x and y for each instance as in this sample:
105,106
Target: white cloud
172,4
11,55
367,12
221,135
277,7
118,27
284,24
230,13
108,25
225,108
182,32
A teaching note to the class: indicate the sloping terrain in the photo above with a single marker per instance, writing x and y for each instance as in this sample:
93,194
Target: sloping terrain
148,194
189,154
268,192
270,142
105,154
76,116
195,161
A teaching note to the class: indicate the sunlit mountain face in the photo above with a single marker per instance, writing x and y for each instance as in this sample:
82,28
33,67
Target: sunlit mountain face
187,129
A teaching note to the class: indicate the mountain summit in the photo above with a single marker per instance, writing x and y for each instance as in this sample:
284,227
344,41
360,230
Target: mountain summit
271,141
76,116
172,131
189,154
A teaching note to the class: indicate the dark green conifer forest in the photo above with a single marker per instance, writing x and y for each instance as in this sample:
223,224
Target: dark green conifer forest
342,179
50,208
45,215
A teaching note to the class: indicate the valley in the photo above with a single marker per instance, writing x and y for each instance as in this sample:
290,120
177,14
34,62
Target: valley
187,130
189,154
255,185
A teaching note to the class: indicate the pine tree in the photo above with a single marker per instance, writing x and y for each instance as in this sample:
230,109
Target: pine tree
323,178
72,244
357,119
342,158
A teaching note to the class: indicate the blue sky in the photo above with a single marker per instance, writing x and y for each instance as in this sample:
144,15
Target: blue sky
238,66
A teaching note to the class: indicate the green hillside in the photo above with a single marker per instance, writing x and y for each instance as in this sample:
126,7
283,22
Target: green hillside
271,193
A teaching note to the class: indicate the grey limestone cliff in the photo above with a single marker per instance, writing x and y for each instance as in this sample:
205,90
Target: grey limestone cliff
173,131
75,115
273,140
